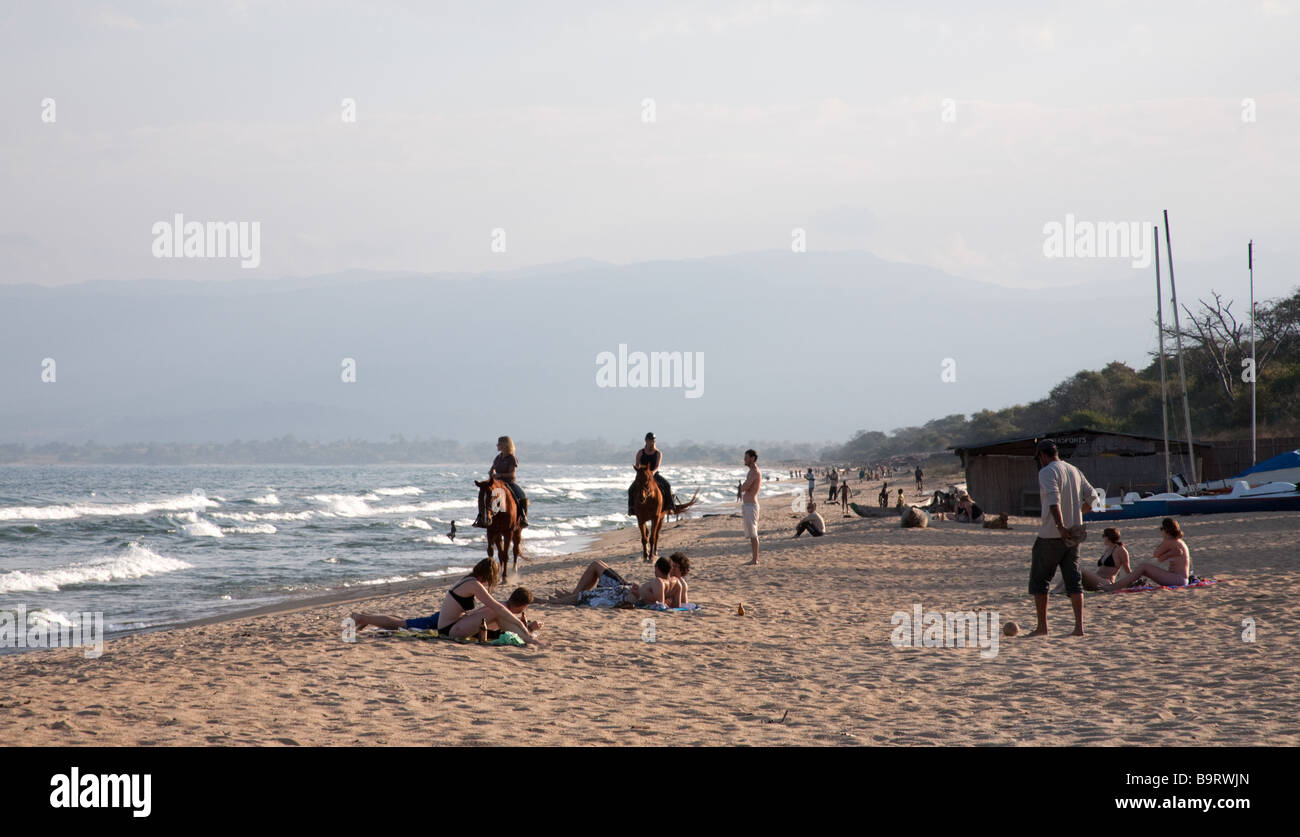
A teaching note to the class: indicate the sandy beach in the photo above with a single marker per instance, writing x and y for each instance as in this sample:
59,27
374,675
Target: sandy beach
811,662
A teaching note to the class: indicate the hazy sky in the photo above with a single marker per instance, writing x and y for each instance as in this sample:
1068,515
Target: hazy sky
530,117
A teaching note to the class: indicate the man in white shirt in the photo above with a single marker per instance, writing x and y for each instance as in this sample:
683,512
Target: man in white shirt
1065,496
812,523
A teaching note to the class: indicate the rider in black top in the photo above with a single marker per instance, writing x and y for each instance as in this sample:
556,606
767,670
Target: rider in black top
651,457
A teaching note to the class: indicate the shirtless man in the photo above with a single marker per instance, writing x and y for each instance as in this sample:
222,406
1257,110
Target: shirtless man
602,586
747,493
681,568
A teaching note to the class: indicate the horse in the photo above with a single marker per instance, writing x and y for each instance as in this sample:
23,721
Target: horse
503,529
652,507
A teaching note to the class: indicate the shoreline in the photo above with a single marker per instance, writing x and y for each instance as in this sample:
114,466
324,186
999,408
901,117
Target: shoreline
812,662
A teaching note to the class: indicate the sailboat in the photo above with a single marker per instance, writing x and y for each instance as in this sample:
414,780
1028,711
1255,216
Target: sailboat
1266,486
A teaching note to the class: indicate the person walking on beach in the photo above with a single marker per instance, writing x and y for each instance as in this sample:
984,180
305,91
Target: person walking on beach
835,484
812,484
747,493
920,483
1065,496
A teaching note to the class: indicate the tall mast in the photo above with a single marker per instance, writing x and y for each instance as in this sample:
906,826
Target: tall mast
1250,264
1160,331
1182,374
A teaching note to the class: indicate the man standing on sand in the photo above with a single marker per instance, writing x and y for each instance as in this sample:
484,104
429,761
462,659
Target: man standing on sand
920,484
812,484
1065,496
747,493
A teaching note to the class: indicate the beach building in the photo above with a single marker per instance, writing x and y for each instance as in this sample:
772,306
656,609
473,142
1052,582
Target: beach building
1002,476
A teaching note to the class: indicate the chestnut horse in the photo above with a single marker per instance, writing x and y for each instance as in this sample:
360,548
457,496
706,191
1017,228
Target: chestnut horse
652,507
503,527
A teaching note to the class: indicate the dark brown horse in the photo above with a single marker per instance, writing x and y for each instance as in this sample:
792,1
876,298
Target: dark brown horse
651,508
498,503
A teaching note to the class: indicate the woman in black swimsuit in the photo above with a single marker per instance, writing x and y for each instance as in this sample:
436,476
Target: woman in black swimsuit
1109,566
454,619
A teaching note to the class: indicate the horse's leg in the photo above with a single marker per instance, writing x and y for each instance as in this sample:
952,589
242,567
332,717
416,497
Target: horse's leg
518,533
645,556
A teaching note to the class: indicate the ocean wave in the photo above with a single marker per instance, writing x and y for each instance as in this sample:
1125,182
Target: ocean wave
414,523
429,506
256,529
134,561
251,516
193,526
398,492
268,499
68,511
343,505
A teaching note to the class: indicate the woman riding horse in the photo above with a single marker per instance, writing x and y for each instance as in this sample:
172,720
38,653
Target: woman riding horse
650,458
503,468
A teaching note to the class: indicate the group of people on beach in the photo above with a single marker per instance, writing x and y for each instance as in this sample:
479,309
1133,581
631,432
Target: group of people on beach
1065,496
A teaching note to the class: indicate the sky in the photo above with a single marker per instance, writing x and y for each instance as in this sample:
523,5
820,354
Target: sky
933,133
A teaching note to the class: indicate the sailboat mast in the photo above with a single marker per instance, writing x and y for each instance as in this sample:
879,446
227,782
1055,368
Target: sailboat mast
1250,264
1160,332
1182,374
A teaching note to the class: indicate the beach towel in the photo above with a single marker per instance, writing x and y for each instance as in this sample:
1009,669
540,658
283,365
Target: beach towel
506,638
666,609
1191,585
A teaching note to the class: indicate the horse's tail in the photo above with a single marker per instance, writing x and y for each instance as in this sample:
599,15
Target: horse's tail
675,509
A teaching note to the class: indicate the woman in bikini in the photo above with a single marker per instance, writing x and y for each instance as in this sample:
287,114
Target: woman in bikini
1113,561
1172,549
458,617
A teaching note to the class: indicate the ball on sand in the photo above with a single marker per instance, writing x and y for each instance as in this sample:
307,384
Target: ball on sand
1011,629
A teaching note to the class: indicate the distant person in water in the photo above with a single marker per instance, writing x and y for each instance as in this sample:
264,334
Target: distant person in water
1172,549
451,535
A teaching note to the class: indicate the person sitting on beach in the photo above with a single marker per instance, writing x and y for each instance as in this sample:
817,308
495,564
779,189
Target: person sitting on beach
1113,561
1172,549
812,523
485,620
884,495
967,511
455,617
602,586
844,498
678,595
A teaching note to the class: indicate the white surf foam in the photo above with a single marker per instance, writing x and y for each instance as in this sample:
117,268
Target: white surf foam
70,511
135,561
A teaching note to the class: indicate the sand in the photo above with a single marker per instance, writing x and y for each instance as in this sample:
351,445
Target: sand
810,664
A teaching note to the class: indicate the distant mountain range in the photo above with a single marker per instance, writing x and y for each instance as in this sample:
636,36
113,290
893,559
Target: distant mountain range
809,346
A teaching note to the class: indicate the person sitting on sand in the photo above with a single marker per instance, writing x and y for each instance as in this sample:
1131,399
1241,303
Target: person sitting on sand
1172,549
1113,561
456,616
602,586
812,523
967,510
679,595
485,619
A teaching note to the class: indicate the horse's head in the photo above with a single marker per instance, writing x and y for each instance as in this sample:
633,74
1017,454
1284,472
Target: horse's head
642,485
